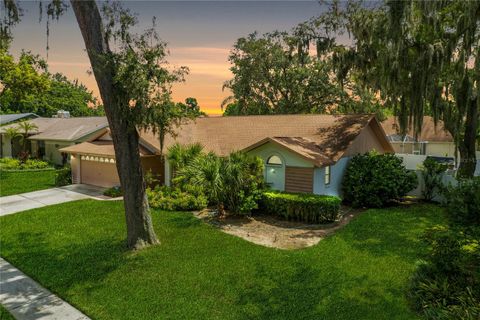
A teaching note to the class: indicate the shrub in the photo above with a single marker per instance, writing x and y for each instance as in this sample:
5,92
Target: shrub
16,164
372,180
234,182
35,164
432,177
463,202
113,192
301,207
10,164
174,199
63,177
446,285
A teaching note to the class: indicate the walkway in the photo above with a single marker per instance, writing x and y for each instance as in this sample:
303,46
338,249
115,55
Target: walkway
42,198
27,300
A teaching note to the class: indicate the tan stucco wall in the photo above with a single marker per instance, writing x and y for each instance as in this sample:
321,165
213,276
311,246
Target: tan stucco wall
440,149
366,141
51,150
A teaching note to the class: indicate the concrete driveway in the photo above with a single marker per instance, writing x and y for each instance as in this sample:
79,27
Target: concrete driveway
42,198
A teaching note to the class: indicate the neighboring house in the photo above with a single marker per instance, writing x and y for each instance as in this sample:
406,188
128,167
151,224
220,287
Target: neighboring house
53,134
93,162
9,118
431,141
302,153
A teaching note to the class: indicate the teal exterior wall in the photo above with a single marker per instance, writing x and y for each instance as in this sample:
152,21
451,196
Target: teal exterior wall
337,172
275,175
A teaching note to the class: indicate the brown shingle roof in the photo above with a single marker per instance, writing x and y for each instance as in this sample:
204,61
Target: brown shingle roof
429,131
64,129
323,139
97,148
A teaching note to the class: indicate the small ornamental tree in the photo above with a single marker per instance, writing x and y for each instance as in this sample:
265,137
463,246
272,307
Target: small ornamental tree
432,177
372,180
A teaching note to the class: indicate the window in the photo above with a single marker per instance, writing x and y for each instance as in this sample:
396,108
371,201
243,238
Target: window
274,160
327,175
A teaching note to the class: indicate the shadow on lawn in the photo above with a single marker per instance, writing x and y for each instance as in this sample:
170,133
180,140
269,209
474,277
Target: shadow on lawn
400,237
306,292
61,267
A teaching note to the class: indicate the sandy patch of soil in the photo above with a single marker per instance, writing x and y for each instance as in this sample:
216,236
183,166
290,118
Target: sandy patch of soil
272,232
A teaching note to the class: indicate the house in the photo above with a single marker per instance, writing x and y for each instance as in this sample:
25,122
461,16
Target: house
9,118
432,140
53,134
302,153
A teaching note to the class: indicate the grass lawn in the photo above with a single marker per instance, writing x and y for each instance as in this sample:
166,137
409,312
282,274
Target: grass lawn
19,182
77,250
4,314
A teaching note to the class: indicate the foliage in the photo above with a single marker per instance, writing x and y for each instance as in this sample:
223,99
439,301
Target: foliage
167,116
4,314
234,182
175,199
30,164
143,79
276,74
179,156
301,207
432,172
15,182
447,284
428,66
29,87
463,202
63,176
113,192
84,242
372,180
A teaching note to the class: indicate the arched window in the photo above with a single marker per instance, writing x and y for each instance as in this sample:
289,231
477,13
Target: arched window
274,160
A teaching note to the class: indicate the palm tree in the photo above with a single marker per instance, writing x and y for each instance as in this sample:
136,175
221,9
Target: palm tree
12,133
180,155
205,171
26,127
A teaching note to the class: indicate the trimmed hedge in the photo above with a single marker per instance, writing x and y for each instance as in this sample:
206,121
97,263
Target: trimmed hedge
301,206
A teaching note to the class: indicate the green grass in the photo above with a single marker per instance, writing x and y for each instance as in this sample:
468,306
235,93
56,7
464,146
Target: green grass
77,250
4,314
15,182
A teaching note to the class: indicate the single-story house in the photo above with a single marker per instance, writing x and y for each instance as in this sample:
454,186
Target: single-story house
93,162
302,153
9,118
51,135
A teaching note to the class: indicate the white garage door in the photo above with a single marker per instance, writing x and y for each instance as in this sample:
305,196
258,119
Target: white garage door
99,173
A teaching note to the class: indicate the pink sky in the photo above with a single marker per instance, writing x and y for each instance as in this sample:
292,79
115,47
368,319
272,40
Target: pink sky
200,35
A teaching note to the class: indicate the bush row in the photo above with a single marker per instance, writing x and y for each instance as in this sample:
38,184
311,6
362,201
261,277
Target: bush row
301,207
30,164
174,199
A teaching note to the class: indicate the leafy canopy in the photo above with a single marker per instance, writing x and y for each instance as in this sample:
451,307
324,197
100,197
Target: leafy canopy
26,85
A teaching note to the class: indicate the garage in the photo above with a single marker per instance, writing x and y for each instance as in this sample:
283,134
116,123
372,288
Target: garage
98,171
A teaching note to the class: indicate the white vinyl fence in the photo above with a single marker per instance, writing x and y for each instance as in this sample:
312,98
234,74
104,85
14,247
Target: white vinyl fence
414,162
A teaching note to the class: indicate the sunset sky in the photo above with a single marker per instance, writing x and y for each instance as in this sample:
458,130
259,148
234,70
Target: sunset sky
199,34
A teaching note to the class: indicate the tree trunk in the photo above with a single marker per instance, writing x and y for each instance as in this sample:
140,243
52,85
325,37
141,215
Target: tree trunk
468,158
125,137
